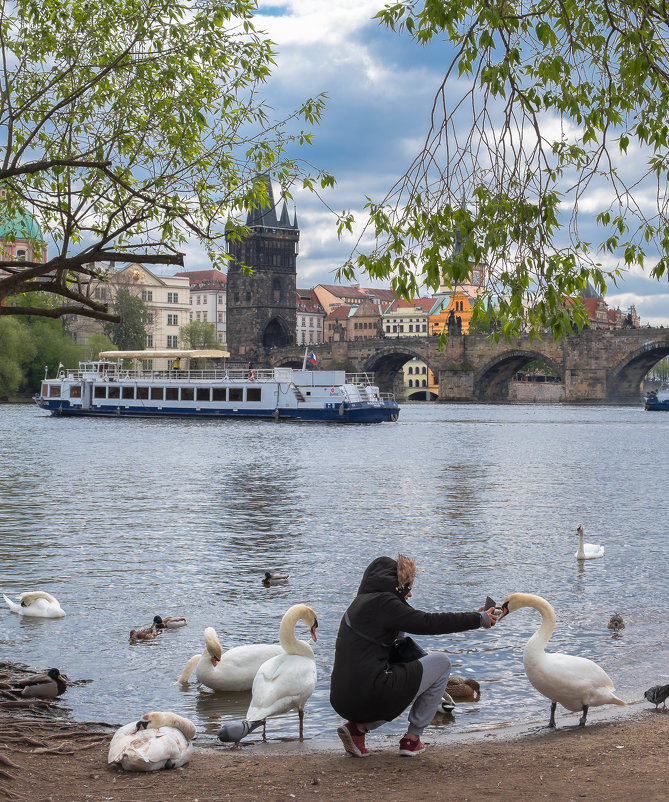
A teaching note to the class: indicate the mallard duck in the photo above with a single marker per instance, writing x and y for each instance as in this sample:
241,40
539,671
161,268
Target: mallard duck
37,603
271,578
587,551
42,686
463,690
616,622
575,682
447,704
168,622
658,694
156,741
284,682
144,634
232,671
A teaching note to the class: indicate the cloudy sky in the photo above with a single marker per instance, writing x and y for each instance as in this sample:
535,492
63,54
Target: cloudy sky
380,89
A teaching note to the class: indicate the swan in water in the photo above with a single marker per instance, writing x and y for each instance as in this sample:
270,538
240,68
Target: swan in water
587,551
575,682
168,621
284,682
232,671
36,603
42,686
156,741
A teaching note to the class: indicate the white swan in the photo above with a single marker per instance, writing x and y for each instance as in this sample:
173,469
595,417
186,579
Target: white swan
575,682
282,683
587,551
37,603
156,741
232,671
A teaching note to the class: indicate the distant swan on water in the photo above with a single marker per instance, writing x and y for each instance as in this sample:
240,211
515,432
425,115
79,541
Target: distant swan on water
587,551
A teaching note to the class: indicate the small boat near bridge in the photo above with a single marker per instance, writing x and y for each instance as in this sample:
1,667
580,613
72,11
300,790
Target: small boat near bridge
105,388
657,400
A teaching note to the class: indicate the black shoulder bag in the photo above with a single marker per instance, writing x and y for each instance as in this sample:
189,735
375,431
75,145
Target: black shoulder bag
402,650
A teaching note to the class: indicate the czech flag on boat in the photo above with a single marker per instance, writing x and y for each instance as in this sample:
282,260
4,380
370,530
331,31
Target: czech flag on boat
312,358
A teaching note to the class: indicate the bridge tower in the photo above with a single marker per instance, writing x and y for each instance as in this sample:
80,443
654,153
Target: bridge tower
262,306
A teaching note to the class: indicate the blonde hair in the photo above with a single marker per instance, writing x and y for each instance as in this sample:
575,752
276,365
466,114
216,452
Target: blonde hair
406,570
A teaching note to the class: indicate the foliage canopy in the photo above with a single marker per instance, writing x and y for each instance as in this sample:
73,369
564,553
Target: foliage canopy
549,114
128,128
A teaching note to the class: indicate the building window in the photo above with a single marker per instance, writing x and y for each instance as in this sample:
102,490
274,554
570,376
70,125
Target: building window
220,300
220,317
410,382
172,341
204,317
149,340
198,315
173,320
172,297
198,300
190,317
149,317
204,299
147,295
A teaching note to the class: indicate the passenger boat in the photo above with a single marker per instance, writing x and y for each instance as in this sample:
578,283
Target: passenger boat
104,388
657,400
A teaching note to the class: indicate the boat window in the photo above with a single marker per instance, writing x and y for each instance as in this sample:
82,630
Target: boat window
202,393
55,391
114,392
236,394
157,393
187,394
45,390
75,391
219,394
253,393
100,392
127,392
171,393
143,393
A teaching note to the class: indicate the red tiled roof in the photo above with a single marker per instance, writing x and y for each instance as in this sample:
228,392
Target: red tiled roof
340,312
208,277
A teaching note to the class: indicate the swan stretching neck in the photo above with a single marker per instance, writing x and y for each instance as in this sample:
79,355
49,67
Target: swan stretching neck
587,551
574,682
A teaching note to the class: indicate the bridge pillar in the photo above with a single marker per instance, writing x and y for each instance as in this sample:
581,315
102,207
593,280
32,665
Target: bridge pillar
585,384
456,385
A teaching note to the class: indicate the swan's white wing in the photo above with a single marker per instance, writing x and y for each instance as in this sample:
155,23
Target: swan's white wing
281,684
570,680
121,740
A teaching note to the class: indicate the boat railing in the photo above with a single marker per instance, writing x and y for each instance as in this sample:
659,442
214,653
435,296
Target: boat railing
172,375
387,396
360,379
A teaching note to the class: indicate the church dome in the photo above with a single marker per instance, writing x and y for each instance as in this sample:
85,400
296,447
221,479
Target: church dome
22,226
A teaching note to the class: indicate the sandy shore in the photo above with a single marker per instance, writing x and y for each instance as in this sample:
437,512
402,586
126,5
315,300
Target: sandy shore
616,759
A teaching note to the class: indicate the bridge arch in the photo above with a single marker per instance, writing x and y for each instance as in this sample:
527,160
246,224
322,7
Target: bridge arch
625,379
387,362
491,382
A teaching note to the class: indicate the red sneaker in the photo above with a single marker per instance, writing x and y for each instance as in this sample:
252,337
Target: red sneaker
353,740
409,748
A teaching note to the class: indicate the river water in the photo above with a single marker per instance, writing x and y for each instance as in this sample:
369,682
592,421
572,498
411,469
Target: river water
125,519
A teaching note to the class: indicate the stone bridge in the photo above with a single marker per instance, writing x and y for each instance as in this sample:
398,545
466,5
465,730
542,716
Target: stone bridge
594,367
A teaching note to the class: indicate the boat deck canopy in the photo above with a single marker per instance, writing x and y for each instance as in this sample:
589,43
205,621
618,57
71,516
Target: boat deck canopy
172,353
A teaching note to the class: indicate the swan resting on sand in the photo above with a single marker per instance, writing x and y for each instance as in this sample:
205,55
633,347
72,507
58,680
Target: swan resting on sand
574,682
156,741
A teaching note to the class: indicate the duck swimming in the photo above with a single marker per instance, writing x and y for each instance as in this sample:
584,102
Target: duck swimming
144,634
574,682
616,622
270,579
168,622
37,603
463,690
157,741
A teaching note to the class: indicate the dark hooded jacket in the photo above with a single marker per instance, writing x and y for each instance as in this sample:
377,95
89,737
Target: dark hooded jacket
364,686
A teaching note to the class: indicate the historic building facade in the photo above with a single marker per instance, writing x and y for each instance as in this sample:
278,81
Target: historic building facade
208,291
261,306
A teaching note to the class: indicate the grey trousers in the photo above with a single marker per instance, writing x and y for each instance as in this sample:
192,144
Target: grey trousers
436,670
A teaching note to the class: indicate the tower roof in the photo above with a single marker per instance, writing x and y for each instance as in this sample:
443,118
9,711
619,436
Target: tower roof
21,226
266,216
